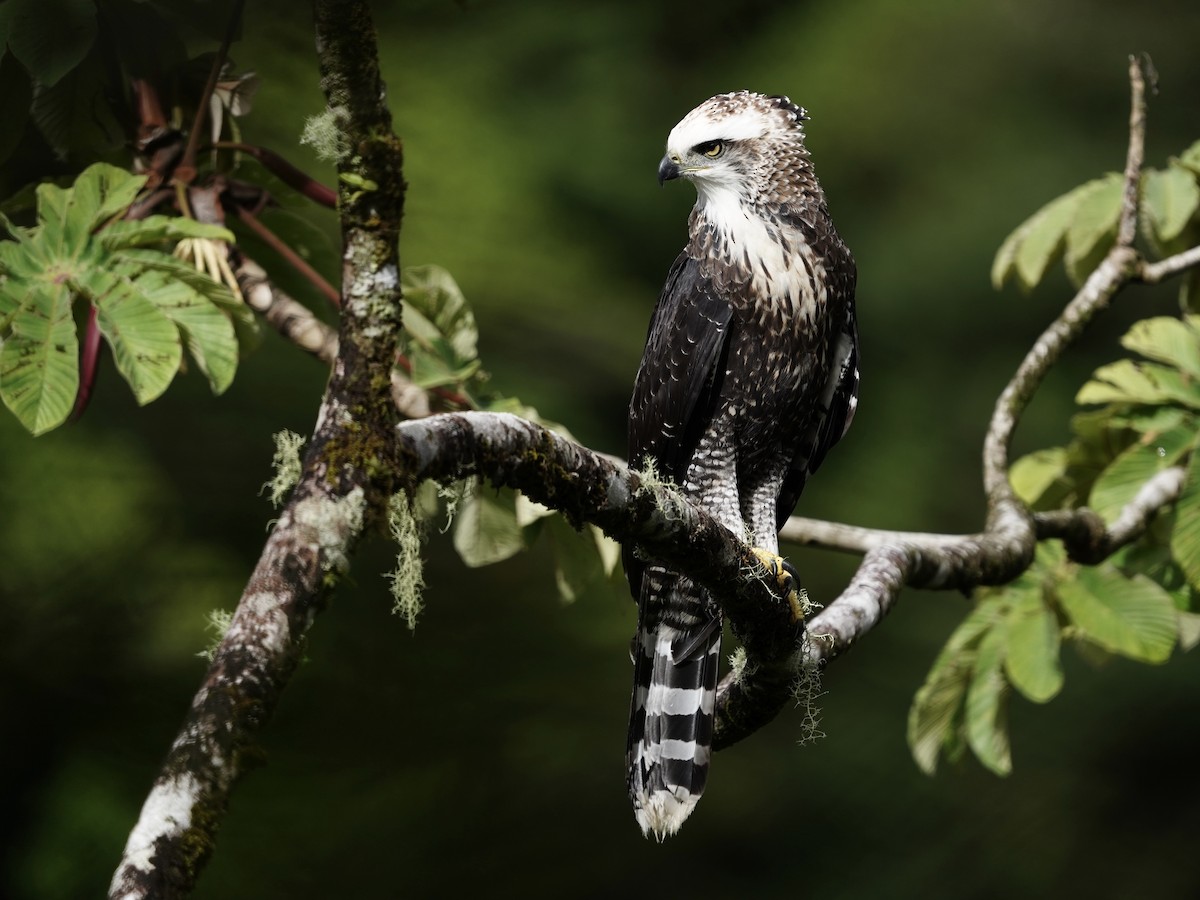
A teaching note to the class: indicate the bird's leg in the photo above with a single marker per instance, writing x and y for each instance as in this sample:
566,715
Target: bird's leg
787,579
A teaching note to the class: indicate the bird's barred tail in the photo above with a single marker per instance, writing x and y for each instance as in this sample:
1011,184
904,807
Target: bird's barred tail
671,721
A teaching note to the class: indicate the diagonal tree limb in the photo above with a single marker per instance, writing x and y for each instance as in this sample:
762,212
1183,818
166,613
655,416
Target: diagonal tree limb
343,487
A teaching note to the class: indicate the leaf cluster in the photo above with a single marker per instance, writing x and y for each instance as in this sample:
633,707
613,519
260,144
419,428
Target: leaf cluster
1080,226
489,525
1142,416
147,304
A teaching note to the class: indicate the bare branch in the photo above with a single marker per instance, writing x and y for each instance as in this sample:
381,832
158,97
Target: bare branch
1084,534
855,538
1153,273
289,317
1082,531
1113,273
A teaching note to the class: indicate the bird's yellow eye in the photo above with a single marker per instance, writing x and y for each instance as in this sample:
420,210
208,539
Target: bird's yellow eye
711,149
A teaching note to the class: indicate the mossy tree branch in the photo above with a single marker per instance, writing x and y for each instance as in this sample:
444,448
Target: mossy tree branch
344,485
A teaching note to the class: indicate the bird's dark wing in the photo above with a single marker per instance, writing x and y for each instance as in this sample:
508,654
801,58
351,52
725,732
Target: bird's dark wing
680,378
834,410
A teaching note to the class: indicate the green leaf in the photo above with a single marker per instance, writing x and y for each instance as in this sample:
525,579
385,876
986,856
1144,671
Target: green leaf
1133,467
39,374
1032,659
1185,536
50,37
145,343
1093,225
207,332
1127,381
934,714
245,323
1031,475
436,365
1170,198
485,528
577,564
1131,616
1031,249
440,310
1190,158
126,234
984,717
1169,340
1189,630
103,191
74,115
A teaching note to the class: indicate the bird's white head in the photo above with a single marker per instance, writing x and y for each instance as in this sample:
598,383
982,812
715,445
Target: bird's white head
744,143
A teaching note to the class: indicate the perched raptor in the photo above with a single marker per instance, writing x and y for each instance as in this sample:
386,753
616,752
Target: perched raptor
749,376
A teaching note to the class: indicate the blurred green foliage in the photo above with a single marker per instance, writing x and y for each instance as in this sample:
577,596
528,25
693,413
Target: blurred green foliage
483,754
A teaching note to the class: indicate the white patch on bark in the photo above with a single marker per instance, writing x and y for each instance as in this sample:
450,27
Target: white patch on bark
167,813
331,525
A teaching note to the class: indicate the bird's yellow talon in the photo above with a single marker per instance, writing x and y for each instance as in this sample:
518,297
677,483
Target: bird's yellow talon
786,578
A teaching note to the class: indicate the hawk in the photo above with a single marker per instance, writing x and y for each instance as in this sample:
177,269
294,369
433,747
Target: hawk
749,376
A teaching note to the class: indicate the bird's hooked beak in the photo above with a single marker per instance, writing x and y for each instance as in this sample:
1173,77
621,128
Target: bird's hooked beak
668,169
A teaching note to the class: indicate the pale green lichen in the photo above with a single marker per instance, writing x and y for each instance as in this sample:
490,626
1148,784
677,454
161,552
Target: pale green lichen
651,479
219,621
408,578
806,690
333,526
737,664
325,134
286,463
454,494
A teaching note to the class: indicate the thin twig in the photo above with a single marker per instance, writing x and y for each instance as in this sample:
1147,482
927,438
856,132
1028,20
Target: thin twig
294,259
1153,273
186,169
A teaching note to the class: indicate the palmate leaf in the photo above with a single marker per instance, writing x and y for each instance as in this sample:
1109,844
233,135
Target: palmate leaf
244,320
39,365
145,342
68,216
127,234
207,332
148,304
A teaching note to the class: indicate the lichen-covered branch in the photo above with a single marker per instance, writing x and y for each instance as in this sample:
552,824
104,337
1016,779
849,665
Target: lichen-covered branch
344,484
586,486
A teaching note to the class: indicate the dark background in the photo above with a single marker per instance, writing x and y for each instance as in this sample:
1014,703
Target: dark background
484,753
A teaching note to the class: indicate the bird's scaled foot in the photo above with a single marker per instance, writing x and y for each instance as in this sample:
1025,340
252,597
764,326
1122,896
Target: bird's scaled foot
787,579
